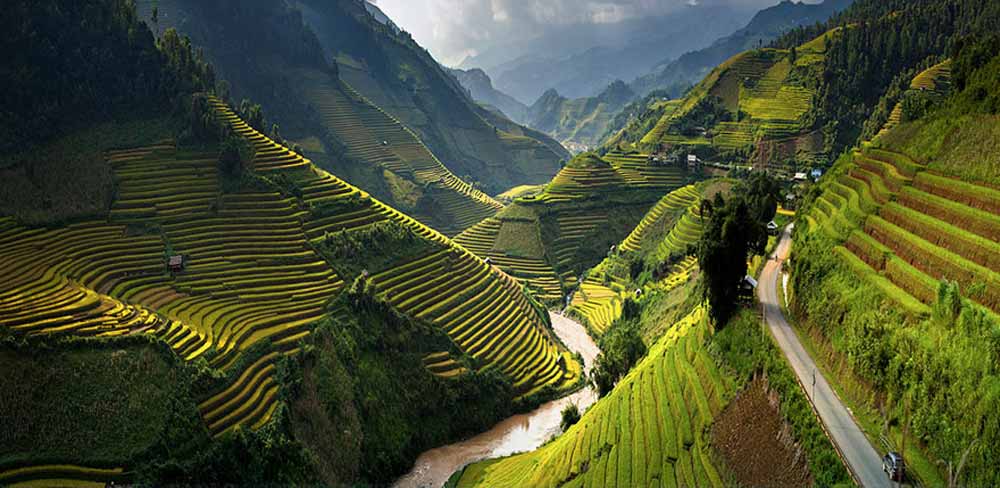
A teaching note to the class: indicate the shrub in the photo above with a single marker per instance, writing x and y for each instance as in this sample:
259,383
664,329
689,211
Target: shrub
235,156
621,348
570,416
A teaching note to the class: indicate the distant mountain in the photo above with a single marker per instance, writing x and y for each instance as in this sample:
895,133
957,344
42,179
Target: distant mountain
578,123
581,121
581,60
399,76
295,39
480,88
766,25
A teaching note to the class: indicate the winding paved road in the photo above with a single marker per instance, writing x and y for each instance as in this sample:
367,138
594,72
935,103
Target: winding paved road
861,457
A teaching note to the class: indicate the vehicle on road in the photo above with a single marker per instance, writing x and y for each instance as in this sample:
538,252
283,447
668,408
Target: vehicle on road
893,465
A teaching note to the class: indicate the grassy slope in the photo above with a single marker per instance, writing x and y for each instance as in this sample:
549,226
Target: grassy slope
472,142
416,180
766,95
174,200
651,429
964,146
120,399
648,430
589,206
67,178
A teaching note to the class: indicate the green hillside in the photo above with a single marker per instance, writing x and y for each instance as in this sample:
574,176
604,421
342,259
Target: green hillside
669,420
401,78
754,107
649,431
578,123
657,259
268,256
417,181
901,236
657,427
292,250
547,240
303,90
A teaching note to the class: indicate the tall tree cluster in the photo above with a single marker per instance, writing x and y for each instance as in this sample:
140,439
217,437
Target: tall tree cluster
736,229
69,62
877,40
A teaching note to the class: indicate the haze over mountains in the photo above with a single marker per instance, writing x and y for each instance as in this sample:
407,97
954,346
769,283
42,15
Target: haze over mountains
660,53
579,60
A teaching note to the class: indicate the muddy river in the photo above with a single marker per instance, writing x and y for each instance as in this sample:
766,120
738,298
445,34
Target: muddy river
519,433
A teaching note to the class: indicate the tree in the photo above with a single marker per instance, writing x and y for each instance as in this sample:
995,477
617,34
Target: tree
736,229
235,155
252,114
570,416
621,348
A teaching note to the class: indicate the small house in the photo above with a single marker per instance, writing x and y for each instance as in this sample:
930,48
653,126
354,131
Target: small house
747,287
176,263
489,261
816,173
800,176
772,228
692,161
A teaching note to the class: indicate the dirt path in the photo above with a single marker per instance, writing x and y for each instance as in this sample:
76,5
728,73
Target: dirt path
519,433
862,459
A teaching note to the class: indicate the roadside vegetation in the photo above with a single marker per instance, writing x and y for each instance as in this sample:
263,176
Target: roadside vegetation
902,248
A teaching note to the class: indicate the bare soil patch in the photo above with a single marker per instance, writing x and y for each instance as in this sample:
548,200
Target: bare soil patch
756,443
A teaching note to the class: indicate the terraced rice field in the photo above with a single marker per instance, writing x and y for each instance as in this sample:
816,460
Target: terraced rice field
596,304
576,183
638,171
534,272
669,108
686,232
594,185
733,135
673,202
443,364
599,300
680,274
903,229
574,227
650,431
482,311
723,82
936,78
374,136
757,83
59,475
250,273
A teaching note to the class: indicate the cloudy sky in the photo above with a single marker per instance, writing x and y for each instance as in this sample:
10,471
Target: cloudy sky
454,29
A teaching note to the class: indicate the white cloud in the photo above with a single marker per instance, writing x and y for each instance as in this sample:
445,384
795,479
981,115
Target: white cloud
452,29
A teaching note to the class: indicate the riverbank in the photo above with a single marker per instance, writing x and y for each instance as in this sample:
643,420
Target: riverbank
518,433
